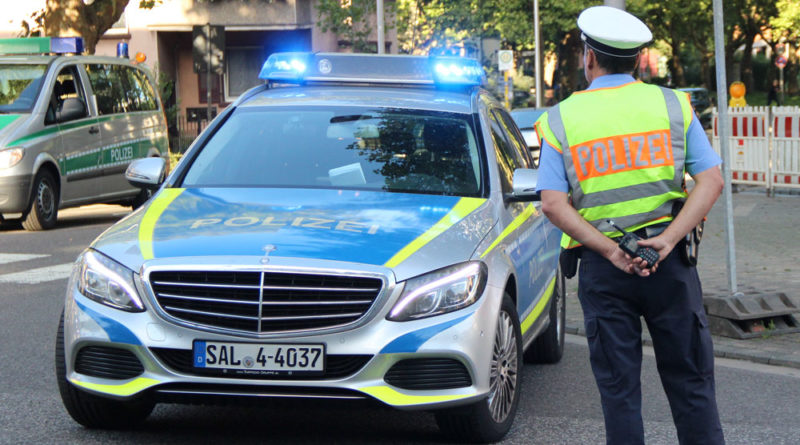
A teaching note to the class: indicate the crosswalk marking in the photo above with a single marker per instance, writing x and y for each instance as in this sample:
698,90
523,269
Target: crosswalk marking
39,275
6,258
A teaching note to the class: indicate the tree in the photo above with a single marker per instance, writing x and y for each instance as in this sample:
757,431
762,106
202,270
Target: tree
348,19
744,20
786,31
90,20
680,24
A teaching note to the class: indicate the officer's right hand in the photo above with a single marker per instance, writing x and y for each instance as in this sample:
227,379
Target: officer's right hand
625,263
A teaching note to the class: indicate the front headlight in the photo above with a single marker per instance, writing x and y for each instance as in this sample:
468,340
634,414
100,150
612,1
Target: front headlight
10,157
108,282
441,291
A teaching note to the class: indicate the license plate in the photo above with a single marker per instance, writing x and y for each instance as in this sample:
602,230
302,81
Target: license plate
259,358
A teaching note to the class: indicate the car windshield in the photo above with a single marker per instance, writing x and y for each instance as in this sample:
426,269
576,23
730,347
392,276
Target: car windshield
526,118
396,150
19,85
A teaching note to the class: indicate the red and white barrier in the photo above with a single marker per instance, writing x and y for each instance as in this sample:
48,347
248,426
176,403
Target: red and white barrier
786,147
749,145
764,146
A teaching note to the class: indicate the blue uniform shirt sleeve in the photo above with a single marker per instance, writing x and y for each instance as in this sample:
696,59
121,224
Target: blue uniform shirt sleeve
700,156
552,174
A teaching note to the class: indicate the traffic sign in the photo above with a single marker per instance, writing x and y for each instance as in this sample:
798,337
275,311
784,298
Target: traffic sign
780,62
505,60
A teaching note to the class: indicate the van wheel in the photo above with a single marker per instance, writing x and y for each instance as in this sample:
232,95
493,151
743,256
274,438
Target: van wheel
90,410
549,346
490,419
43,212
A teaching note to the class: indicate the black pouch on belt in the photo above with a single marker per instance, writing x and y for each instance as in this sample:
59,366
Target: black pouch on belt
689,245
569,261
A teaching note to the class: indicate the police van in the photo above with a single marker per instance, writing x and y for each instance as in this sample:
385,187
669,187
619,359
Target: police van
69,127
358,227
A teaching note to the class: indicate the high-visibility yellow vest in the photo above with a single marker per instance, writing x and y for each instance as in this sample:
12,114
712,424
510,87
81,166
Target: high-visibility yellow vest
624,150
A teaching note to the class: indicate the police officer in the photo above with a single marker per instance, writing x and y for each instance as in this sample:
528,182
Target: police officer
619,150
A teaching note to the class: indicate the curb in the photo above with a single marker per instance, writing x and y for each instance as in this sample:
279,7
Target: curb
720,351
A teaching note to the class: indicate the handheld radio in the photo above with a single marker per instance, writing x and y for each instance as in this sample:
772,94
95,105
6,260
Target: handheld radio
628,244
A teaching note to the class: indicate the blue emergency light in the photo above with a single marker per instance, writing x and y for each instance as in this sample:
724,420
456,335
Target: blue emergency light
285,67
42,45
372,69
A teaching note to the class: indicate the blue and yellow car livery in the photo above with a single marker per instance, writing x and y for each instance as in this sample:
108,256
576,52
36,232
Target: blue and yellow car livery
417,300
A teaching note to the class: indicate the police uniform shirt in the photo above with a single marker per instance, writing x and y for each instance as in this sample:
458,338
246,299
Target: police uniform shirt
700,156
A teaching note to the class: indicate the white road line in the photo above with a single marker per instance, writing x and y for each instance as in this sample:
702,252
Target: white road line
6,258
40,275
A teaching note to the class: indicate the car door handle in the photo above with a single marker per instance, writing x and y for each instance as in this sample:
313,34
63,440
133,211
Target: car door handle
94,130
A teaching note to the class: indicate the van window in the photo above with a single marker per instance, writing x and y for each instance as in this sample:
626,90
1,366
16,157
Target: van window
19,86
121,89
66,86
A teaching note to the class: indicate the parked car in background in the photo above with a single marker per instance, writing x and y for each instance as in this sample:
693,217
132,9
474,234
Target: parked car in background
525,118
701,102
69,127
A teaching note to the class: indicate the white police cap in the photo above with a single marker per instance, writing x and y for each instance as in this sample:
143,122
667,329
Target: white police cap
613,31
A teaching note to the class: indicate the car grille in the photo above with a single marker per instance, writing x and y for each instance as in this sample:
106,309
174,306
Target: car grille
264,302
428,373
108,363
336,366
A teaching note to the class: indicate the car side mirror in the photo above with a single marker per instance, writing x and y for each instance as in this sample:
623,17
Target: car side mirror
72,108
146,173
524,185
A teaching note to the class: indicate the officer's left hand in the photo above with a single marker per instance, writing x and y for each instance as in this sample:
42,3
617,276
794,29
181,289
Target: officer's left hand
660,245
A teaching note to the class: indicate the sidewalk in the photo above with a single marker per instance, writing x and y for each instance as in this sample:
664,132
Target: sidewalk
767,259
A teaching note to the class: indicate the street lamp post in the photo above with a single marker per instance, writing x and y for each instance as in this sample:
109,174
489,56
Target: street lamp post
615,3
381,37
538,48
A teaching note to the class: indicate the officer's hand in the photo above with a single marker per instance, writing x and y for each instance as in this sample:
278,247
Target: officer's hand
623,261
660,245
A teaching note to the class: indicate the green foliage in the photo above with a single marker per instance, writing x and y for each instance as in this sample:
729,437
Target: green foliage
348,19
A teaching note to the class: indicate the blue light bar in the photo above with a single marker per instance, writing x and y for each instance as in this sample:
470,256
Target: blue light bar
372,69
62,45
457,71
285,67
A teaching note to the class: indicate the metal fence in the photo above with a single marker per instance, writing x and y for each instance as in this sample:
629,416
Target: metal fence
184,132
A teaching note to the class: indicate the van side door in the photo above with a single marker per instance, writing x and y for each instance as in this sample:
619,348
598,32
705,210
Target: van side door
70,115
132,124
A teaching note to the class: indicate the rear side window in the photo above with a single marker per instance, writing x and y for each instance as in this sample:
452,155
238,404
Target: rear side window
121,89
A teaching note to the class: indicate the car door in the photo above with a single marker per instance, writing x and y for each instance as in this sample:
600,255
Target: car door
80,138
527,242
548,256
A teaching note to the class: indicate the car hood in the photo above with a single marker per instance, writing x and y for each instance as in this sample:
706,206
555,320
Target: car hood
376,228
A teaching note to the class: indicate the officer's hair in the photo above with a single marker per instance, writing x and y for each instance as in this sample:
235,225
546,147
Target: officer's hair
613,64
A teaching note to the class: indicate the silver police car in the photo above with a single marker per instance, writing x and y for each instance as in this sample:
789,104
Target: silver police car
359,227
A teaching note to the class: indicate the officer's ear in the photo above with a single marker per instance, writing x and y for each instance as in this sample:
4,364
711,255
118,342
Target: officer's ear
589,58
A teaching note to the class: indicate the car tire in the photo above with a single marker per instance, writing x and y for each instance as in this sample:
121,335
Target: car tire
549,346
43,211
490,419
90,410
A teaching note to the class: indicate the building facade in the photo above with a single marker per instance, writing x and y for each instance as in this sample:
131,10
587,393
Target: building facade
253,29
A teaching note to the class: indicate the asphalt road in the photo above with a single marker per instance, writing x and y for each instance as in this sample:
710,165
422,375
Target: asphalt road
559,405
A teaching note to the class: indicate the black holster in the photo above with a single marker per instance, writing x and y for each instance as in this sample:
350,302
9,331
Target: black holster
689,246
569,261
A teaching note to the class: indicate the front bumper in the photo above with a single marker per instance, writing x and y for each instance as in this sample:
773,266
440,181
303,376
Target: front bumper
14,193
362,355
